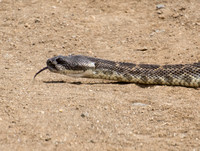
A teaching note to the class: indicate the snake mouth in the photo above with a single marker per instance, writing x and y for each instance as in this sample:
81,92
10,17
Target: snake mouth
51,65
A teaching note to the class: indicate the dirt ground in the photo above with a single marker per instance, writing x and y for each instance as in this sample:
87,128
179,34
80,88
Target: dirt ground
56,112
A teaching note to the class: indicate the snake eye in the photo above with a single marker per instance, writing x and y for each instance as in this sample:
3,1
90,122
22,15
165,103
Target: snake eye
60,61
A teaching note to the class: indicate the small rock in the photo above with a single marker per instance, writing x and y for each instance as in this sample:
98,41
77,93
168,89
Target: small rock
141,49
161,16
84,115
159,30
27,25
176,15
139,104
160,6
197,24
37,20
159,12
47,139
182,8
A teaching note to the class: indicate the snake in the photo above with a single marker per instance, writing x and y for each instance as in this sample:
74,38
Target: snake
187,75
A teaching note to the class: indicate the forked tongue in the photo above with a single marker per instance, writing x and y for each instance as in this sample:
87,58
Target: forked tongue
40,71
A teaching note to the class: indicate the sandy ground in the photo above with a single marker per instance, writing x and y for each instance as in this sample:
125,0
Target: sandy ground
56,112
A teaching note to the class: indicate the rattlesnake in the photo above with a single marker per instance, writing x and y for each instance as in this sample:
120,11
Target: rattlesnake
89,67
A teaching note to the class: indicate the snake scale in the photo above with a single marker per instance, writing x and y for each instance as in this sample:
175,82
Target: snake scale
89,67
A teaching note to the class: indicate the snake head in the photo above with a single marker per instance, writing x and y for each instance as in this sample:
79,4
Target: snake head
71,65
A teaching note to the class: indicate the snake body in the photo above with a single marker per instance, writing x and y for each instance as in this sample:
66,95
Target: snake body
89,67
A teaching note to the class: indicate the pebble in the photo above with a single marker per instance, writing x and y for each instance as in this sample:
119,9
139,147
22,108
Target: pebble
27,25
84,114
159,6
37,20
139,104
159,30
159,12
142,49
161,16
176,15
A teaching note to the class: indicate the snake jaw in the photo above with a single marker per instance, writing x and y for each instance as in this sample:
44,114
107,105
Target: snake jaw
52,65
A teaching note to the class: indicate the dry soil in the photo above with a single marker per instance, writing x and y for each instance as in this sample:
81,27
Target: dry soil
56,112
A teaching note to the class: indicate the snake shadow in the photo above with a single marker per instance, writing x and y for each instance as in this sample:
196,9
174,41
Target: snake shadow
112,83
90,83
61,81
100,83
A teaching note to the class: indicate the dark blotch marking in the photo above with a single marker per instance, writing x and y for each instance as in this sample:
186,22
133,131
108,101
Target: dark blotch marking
119,67
178,72
148,66
101,63
196,64
127,65
159,72
173,66
104,64
188,68
136,71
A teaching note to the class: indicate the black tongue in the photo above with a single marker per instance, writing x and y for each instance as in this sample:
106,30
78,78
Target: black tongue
40,71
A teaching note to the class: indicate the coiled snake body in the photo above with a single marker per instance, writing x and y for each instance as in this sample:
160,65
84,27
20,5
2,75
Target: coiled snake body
89,67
